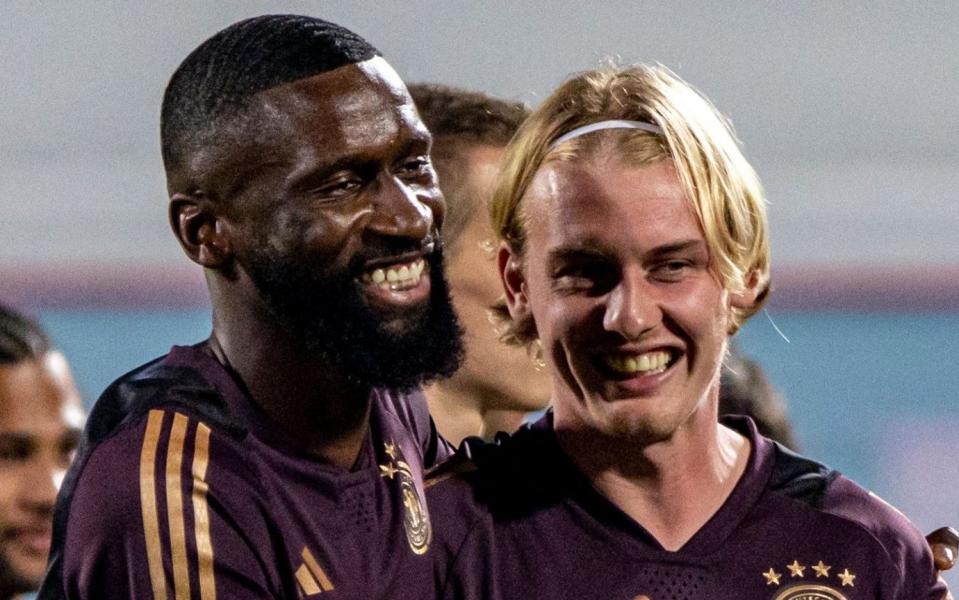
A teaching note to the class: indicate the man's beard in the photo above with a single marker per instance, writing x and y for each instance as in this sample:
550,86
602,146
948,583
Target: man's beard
325,314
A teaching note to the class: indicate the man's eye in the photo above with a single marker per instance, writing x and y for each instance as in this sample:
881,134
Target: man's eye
418,166
339,188
68,450
592,277
672,270
15,451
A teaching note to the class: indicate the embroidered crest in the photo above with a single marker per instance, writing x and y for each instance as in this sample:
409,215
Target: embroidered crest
810,592
416,520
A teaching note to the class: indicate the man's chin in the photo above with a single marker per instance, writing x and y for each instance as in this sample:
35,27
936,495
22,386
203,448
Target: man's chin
21,575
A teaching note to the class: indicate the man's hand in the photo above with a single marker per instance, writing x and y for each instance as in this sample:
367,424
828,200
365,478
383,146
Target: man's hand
944,543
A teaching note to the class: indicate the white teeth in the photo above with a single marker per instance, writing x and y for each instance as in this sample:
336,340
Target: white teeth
647,363
394,278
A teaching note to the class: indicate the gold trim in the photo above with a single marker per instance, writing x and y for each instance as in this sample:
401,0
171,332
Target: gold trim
317,571
201,515
822,591
306,581
174,504
148,503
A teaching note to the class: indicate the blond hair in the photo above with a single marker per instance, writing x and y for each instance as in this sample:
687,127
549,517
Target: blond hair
722,186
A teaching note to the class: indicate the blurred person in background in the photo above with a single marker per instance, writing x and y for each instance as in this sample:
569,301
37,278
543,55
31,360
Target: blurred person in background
497,385
40,421
745,390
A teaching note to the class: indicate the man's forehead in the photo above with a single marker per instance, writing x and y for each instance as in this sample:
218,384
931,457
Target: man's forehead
337,94
577,204
347,109
41,391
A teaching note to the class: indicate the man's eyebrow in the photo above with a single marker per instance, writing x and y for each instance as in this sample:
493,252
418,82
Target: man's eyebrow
419,141
577,252
591,249
15,436
676,248
71,436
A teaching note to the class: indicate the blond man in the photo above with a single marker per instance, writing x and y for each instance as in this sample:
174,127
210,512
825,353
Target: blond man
633,244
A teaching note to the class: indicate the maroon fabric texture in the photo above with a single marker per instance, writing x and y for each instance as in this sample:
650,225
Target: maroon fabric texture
517,520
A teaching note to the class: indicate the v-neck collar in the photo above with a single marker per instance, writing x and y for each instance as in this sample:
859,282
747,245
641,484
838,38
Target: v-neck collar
713,534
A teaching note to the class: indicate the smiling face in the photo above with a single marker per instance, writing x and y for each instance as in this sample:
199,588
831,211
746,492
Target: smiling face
40,421
332,216
618,280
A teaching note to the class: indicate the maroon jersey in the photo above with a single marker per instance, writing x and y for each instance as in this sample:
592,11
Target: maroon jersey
518,520
183,488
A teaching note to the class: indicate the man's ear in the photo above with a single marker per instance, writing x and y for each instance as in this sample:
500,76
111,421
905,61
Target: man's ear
200,230
514,285
746,298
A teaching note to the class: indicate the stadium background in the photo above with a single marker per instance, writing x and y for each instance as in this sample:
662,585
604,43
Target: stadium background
847,112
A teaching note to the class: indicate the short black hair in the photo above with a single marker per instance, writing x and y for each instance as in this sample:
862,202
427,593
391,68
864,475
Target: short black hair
221,74
21,338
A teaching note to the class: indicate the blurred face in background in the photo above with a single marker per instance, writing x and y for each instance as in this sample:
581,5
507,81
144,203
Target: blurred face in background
504,376
40,422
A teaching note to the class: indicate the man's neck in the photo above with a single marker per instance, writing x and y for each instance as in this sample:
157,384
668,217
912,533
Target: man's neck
321,412
672,488
458,413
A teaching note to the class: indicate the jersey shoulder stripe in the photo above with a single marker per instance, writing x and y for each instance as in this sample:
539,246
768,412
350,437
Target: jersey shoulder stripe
179,475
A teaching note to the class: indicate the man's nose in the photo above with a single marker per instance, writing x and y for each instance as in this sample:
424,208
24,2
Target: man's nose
399,212
40,484
631,308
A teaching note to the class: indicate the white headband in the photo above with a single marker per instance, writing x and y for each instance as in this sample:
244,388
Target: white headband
599,126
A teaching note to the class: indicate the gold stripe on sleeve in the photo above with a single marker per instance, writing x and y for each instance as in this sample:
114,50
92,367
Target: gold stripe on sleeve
174,505
306,581
201,514
148,503
317,571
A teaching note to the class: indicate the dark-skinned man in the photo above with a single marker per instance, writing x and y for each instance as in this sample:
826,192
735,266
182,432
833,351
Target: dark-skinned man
283,457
